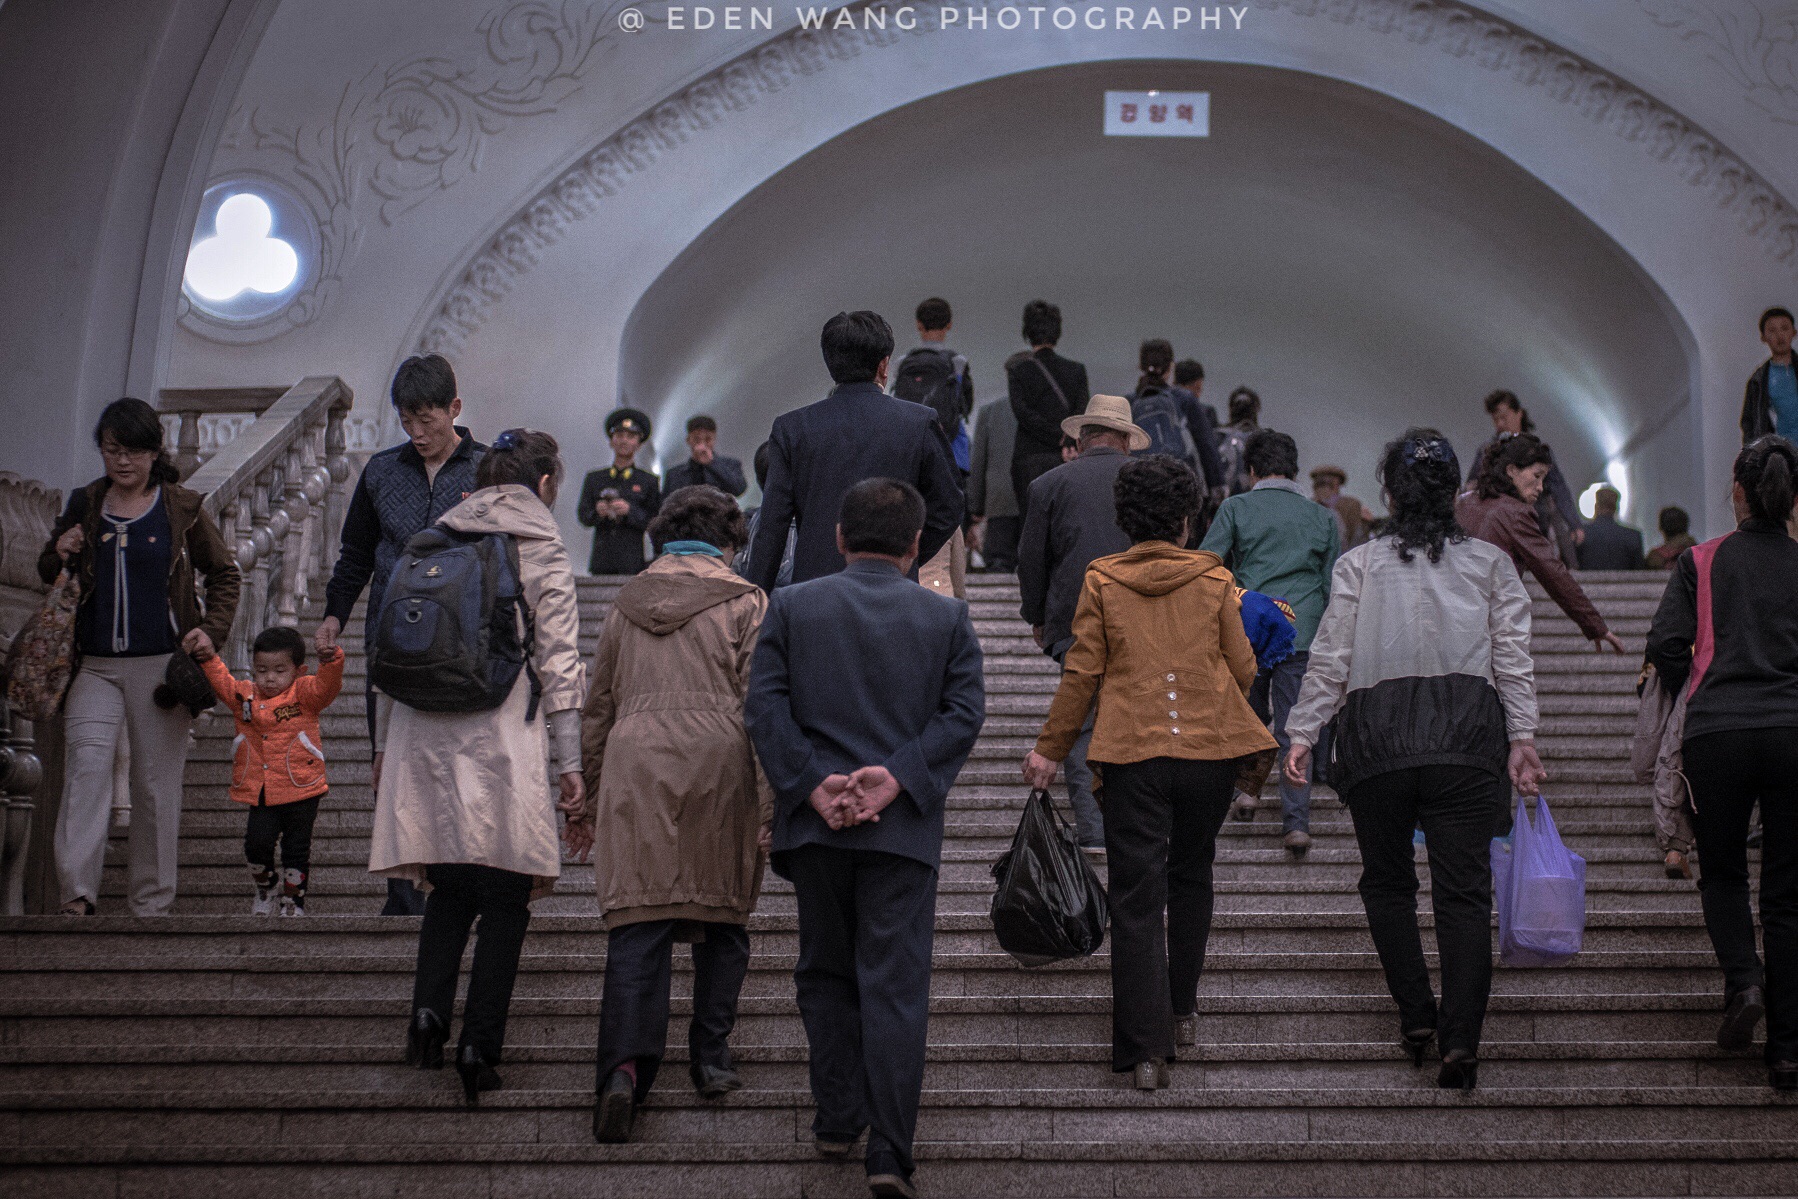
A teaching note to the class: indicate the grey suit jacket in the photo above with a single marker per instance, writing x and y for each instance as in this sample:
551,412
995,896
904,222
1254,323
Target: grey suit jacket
864,668
1071,519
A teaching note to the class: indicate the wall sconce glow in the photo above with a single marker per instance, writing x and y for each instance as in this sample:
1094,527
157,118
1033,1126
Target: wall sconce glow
241,255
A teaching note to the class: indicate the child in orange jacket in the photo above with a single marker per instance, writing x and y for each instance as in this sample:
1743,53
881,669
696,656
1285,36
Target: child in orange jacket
278,765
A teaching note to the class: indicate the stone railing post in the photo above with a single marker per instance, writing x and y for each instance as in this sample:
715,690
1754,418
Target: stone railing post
271,489
21,773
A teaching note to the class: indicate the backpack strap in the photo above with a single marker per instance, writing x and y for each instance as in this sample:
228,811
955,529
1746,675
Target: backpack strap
1704,646
530,630
1054,386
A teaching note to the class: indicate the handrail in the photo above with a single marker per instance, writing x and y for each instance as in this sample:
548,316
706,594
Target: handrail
278,493
189,404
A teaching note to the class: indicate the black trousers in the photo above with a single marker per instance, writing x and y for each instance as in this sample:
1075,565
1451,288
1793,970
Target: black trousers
1461,810
290,826
633,1016
460,895
867,922
1730,773
1161,823
1000,545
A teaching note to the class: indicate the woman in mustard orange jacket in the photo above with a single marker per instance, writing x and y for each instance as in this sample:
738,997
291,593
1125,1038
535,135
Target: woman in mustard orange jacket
1159,645
278,763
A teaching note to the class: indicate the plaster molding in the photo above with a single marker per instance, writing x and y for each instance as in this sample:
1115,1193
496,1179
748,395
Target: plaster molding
404,133
1452,27
1756,48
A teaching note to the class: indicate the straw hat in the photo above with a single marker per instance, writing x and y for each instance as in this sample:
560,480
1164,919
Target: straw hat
1107,412
1329,472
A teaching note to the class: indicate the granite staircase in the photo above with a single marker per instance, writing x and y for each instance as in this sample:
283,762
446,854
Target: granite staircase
215,1053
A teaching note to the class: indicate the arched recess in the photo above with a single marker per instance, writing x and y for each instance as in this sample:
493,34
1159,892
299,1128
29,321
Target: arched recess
535,316
1363,265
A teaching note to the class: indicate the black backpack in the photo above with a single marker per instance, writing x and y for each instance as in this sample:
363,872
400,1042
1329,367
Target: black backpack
1157,413
447,636
934,378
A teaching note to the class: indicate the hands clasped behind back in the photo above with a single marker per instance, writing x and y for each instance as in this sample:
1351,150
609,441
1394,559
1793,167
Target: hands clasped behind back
846,800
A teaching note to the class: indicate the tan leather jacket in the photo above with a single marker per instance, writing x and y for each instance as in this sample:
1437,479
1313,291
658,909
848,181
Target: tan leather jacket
1158,639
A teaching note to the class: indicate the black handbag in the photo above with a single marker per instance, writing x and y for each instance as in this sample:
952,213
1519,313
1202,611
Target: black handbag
1049,905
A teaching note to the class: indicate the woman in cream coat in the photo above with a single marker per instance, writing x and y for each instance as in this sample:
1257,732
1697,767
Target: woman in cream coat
464,804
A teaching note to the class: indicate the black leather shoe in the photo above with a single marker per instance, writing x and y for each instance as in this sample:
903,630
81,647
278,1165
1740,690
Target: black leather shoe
1460,1071
1740,1016
1783,1076
714,1082
477,1075
615,1110
424,1040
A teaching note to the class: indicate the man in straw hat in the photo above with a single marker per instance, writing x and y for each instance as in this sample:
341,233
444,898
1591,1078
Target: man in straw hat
1071,519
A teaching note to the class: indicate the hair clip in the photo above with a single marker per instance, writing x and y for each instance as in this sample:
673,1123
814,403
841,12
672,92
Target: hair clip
1431,449
509,440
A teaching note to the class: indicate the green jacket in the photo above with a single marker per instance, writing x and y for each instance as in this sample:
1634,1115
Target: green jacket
1280,542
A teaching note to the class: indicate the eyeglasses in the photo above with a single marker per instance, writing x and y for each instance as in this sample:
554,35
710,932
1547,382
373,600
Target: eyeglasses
119,453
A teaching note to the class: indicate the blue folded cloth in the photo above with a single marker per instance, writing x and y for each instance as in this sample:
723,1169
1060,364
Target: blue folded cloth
1271,625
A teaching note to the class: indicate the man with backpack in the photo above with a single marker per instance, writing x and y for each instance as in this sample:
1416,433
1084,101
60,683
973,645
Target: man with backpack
937,377
402,492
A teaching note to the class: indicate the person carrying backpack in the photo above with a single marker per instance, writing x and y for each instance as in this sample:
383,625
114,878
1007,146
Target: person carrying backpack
1233,439
937,377
480,685
1172,416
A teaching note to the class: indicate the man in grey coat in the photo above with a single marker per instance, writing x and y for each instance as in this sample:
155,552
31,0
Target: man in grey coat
991,500
1070,520
865,698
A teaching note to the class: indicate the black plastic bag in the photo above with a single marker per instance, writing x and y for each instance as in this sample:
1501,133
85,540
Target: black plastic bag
1049,905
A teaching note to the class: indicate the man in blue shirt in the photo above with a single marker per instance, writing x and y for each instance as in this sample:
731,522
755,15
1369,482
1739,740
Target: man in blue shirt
1770,404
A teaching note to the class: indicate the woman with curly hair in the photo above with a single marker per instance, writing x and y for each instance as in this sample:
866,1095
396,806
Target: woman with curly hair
1159,643
1501,509
1726,635
1423,659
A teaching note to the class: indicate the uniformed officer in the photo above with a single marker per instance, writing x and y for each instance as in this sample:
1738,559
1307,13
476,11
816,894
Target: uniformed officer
618,502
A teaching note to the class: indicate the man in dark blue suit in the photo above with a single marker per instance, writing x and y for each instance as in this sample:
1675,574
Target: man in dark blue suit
865,699
817,453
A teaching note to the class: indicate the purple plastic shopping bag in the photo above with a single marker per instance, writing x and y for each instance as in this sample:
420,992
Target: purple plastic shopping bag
1540,888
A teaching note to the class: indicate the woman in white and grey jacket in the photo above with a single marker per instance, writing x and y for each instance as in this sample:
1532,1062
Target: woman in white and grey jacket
1423,661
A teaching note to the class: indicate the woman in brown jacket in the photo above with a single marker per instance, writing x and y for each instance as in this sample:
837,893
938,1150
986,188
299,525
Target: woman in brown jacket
137,542
1158,640
1500,508
679,809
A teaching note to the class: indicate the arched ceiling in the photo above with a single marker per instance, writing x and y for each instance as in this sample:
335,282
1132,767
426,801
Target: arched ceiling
507,179
1362,265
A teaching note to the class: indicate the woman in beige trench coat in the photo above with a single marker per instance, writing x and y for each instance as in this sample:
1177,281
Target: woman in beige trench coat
679,808
464,802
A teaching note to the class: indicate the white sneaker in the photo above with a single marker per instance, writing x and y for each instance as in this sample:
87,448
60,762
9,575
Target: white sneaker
290,908
265,893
